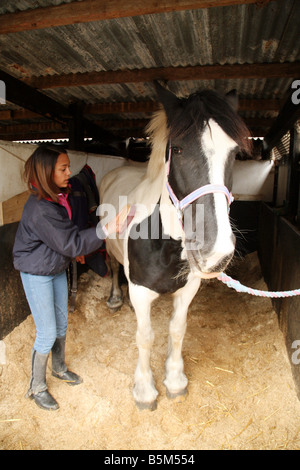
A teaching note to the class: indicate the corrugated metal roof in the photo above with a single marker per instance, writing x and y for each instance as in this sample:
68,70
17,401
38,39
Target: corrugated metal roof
9,6
225,35
243,34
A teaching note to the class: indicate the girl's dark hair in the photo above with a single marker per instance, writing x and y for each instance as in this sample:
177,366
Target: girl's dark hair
39,170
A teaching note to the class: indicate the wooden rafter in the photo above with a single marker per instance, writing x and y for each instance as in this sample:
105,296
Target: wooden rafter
145,107
197,73
95,10
23,95
151,106
119,125
39,128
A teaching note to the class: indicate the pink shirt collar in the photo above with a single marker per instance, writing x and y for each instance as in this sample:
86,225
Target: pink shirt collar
63,201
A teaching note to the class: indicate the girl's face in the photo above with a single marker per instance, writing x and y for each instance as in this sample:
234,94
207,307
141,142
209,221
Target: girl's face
62,171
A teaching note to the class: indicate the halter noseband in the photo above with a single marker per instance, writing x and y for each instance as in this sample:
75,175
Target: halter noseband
202,191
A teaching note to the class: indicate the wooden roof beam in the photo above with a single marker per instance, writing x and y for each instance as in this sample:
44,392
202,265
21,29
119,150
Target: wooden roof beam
33,136
30,128
151,106
23,95
48,127
196,73
94,10
146,107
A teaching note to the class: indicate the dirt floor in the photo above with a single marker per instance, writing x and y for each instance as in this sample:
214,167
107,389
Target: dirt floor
241,391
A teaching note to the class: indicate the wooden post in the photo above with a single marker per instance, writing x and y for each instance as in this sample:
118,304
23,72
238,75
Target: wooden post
76,127
293,185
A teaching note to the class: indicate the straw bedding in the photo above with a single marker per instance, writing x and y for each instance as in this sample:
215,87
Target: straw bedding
241,391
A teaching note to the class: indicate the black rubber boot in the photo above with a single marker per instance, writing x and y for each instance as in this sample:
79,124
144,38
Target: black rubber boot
59,368
38,388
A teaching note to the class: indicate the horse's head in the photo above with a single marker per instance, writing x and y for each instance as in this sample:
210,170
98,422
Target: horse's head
205,133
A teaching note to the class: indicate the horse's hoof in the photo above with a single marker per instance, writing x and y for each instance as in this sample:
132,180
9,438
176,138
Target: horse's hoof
178,397
114,304
146,406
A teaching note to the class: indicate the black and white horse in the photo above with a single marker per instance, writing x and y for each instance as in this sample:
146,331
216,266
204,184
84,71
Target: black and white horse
181,230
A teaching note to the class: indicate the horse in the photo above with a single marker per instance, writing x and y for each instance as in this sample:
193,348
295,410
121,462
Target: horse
168,247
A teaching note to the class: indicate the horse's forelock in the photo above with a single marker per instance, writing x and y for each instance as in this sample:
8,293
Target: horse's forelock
195,112
191,116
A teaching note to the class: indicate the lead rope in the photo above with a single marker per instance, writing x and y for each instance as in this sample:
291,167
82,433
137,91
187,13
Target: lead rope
260,293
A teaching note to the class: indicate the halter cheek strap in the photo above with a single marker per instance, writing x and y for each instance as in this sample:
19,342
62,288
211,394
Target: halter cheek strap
202,191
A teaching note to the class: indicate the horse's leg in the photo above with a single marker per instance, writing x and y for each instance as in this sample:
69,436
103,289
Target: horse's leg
176,381
144,391
115,300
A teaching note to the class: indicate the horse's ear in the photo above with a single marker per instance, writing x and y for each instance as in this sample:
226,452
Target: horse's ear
233,99
169,101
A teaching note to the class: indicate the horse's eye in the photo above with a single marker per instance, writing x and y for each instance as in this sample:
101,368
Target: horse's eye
177,150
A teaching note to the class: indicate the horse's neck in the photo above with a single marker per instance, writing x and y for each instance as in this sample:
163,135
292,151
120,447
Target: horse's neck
153,188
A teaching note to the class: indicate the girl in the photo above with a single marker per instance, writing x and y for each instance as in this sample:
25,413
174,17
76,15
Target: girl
45,243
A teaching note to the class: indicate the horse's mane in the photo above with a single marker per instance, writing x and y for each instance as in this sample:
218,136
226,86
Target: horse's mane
191,115
158,132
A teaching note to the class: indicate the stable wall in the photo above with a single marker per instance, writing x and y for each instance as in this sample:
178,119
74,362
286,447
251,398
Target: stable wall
13,157
252,180
279,252
13,304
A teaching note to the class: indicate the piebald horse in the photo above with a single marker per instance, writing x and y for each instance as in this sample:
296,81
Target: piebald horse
181,230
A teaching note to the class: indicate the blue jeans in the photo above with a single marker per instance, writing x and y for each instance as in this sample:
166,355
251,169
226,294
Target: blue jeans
47,297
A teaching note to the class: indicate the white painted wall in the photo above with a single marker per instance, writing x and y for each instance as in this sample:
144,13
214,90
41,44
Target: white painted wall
13,156
252,180
12,159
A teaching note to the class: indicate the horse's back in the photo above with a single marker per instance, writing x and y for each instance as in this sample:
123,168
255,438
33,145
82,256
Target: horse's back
121,181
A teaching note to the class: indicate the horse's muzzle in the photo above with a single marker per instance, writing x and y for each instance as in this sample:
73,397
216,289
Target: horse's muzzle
210,265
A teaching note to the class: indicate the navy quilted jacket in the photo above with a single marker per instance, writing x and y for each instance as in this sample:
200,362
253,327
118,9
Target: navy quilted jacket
47,240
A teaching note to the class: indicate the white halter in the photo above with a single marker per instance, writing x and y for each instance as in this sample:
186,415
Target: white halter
202,191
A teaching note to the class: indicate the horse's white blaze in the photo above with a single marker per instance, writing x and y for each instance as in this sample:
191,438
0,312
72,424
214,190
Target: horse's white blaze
217,146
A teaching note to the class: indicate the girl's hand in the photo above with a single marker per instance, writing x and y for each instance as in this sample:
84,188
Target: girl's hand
121,222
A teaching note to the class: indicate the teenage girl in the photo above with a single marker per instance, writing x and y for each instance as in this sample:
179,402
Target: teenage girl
45,243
